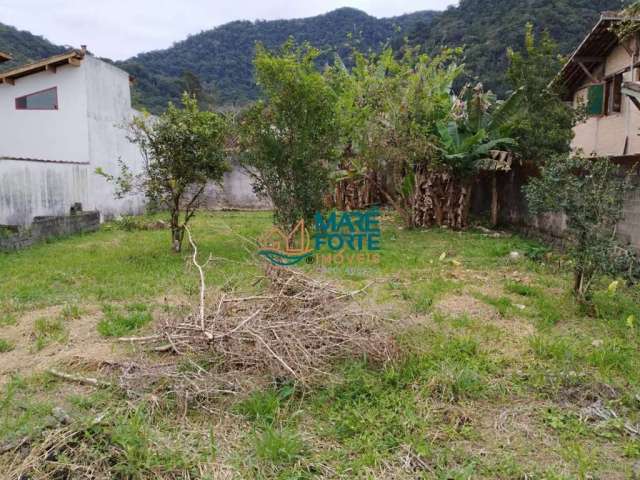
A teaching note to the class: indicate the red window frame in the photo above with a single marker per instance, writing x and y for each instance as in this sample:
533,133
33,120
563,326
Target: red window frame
55,89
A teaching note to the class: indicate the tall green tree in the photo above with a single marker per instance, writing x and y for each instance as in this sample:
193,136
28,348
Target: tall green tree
544,123
289,138
194,87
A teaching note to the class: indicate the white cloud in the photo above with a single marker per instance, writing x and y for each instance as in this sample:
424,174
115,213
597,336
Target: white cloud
119,29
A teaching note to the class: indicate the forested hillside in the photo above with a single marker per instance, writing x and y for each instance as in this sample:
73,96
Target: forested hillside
488,27
222,58
219,61
24,46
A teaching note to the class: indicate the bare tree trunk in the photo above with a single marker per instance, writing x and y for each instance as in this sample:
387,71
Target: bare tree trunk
177,235
356,194
177,231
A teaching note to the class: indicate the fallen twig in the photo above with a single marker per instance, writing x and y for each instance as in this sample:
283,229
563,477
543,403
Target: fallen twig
94,382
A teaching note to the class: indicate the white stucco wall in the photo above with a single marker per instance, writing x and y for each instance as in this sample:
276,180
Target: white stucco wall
46,134
108,114
236,191
85,133
30,189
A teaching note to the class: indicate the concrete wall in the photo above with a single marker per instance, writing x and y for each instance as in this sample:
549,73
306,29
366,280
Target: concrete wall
44,228
513,207
57,135
109,112
235,192
629,228
30,189
48,158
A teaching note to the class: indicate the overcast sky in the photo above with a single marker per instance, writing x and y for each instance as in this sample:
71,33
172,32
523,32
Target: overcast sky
119,29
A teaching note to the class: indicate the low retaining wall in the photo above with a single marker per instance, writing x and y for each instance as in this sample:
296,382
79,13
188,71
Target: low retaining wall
513,208
44,228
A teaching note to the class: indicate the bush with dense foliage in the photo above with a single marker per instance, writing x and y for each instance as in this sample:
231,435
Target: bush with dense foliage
288,140
590,193
183,150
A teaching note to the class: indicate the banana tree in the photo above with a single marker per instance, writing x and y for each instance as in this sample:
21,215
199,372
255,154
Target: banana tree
471,140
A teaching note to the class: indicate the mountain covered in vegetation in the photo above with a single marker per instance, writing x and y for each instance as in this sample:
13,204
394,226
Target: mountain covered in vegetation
487,28
219,61
24,47
222,58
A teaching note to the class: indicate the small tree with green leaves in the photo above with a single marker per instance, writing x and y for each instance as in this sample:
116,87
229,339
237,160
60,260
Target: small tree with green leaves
543,123
590,193
183,149
288,139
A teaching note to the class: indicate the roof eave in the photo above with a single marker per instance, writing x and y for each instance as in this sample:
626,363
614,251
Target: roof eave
73,57
608,18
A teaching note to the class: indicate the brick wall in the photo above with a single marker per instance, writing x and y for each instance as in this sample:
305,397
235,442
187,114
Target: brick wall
44,228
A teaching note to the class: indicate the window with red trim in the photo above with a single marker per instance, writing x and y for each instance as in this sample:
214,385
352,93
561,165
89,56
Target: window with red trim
42,100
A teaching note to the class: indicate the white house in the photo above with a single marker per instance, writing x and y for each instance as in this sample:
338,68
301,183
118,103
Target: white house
60,119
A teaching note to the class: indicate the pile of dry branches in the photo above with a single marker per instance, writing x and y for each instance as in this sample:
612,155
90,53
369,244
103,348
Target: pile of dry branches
294,330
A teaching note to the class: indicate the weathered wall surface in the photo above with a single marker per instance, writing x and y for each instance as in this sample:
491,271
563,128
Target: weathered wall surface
235,192
629,229
108,113
44,228
30,189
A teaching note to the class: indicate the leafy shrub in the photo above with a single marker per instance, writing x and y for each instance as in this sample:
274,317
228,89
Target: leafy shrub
590,193
288,140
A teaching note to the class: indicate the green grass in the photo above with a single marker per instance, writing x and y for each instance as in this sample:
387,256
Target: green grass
6,345
118,266
470,397
47,331
503,305
119,321
8,319
278,446
261,407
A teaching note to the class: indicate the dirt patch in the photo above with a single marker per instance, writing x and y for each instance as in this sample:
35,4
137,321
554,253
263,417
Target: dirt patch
83,343
466,305
461,305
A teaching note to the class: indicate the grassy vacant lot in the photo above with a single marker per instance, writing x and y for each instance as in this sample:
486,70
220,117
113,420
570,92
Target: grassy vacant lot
503,376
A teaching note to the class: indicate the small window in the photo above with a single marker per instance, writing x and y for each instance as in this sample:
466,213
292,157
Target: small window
43,100
595,100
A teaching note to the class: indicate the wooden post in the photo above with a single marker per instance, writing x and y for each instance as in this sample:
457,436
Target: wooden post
494,198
